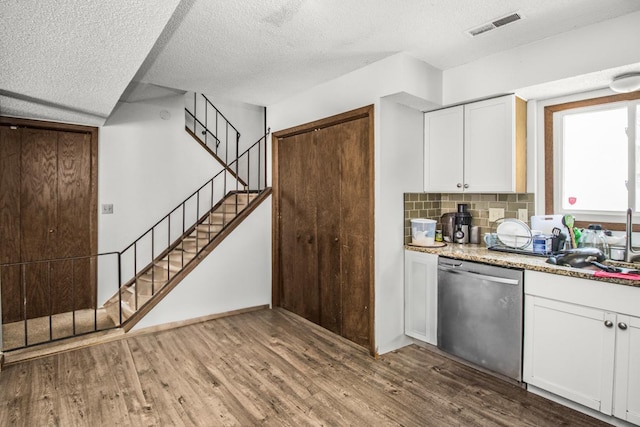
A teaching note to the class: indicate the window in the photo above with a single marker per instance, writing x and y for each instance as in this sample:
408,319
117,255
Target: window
588,155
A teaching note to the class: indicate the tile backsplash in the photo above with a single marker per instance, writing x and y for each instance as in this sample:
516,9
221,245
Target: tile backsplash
433,205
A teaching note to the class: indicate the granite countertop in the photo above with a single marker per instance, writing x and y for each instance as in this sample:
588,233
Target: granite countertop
480,253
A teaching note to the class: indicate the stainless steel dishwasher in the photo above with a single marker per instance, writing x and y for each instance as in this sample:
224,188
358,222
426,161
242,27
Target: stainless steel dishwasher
480,312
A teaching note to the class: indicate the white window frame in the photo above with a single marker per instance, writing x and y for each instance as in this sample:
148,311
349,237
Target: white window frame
596,216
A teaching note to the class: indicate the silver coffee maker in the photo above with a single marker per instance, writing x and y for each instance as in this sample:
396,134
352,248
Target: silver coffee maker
463,224
448,221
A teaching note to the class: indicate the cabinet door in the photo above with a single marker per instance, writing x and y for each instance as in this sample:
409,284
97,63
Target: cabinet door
421,297
489,145
443,133
627,391
569,351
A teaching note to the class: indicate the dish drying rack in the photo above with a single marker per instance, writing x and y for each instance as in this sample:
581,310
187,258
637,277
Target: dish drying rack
512,233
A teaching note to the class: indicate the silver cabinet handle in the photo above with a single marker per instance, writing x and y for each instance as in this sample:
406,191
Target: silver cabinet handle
459,185
466,186
622,326
608,323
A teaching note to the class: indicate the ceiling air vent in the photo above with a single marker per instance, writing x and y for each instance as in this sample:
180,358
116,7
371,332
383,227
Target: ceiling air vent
500,22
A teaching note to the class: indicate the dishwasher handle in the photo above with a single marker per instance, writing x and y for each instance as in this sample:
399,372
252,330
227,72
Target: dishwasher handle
478,276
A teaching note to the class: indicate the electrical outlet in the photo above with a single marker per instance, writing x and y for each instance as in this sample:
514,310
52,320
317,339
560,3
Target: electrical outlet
523,215
495,214
107,208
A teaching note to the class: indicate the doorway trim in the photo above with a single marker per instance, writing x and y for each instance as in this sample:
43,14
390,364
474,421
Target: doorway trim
359,113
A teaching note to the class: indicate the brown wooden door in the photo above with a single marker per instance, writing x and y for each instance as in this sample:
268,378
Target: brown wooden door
10,230
298,228
49,186
324,217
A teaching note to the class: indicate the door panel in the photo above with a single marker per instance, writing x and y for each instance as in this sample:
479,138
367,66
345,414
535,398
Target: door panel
71,280
38,215
328,204
10,164
355,229
298,227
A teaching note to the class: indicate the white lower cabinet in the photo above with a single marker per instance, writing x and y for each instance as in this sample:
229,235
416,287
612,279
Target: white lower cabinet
627,379
577,346
421,296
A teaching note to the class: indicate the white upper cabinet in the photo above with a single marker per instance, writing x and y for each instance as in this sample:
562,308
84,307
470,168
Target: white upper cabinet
477,147
444,138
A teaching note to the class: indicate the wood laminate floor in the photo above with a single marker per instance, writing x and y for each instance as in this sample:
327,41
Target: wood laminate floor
267,367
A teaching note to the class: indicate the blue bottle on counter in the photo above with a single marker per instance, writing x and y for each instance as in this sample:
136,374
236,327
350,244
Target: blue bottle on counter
542,244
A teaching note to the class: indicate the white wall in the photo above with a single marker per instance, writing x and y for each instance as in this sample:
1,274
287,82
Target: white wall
237,274
412,82
396,74
400,171
605,45
147,166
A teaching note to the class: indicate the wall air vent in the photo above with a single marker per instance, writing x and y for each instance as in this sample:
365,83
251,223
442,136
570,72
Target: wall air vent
500,22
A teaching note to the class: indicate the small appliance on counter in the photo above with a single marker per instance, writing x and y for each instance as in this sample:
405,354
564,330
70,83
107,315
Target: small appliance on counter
448,221
463,224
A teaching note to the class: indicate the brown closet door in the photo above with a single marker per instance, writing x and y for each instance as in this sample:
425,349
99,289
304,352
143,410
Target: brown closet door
324,226
356,234
38,216
10,163
298,244
71,287
328,204
46,213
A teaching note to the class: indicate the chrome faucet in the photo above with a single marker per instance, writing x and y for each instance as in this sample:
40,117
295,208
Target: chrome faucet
629,252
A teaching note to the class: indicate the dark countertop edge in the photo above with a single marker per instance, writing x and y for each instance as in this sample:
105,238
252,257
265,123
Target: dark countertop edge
479,253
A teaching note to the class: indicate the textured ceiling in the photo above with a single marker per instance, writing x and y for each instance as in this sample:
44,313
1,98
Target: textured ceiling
263,51
71,60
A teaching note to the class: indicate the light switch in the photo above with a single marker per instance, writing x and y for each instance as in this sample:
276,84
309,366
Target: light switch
107,208
495,214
